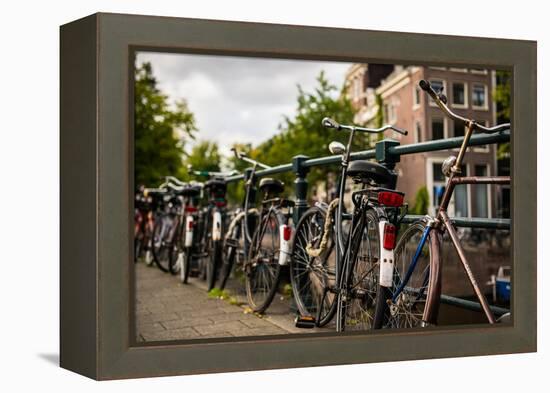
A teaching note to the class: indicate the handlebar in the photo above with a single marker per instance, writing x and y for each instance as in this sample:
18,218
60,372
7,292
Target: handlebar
331,123
242,156
441,102
147,191
173,179
211,173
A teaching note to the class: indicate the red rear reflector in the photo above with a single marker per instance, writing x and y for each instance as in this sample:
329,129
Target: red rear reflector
190,224
287,233
391,199
220,203
390,232
190,209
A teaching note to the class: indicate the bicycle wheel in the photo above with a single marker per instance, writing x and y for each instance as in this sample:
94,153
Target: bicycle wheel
262,266
161,245
359,301
185,265
213,264
176,249
148,255
312,277
419,299
231,246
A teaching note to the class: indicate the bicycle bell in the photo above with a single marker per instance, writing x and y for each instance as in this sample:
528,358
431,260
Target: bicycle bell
447,166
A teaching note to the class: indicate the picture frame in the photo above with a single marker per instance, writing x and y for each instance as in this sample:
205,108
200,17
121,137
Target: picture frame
96,274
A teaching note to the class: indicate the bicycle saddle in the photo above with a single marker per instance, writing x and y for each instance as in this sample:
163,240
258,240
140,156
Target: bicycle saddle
367,172
191,191
215,184
271,186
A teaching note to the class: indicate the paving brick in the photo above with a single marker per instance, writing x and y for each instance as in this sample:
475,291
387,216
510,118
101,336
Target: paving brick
167,310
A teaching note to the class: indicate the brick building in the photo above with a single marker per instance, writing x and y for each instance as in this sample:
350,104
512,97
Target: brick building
394,91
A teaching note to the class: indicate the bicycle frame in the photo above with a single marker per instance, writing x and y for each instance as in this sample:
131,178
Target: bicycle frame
442,222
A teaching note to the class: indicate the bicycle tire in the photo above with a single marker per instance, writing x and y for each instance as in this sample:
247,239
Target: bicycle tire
175,249
311,277
186,266
229,252
357,308
160,250
410,310
270,222
213,264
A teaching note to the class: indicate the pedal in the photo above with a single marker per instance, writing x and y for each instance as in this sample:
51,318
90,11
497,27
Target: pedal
304,322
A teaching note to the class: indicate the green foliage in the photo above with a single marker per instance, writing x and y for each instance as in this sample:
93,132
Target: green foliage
421,201
379,118
204,156
235,190
503,99
304,134
503,95
160,130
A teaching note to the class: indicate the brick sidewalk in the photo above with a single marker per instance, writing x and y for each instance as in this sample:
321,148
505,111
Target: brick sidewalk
169,310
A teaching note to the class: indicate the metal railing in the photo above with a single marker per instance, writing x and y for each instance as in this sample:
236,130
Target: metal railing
387,151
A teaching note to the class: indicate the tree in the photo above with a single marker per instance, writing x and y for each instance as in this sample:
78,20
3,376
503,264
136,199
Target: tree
303,132
235,190
160,130
204,156
503,99
421,201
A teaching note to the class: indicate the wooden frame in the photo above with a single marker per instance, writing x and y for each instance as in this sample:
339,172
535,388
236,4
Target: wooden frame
96,198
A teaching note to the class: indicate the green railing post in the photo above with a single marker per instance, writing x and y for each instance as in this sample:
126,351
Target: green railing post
383,155
252,193
300,185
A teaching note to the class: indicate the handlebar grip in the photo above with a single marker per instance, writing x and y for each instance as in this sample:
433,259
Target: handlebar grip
425,85
401,130
330,123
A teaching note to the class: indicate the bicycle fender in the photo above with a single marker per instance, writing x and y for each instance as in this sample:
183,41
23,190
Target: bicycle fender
217,226
386,259
189,224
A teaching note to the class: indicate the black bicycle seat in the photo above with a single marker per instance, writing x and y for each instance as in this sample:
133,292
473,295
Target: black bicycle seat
271,186
367,172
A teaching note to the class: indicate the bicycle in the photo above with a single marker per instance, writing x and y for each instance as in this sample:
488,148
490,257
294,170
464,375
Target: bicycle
143,225
414,296
239,233
269,246
167,226
184,245
336,271
211,220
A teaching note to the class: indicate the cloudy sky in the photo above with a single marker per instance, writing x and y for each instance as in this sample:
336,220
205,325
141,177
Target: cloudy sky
237,99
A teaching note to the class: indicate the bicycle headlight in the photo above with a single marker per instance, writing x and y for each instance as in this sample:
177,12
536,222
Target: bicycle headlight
447,165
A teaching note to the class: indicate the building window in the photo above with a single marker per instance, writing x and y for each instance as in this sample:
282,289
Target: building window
439,182
438,128
417,132
459,205
479,96
458,128
482,148
481,194
459,94
461,197
438,85
389,113
416,97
